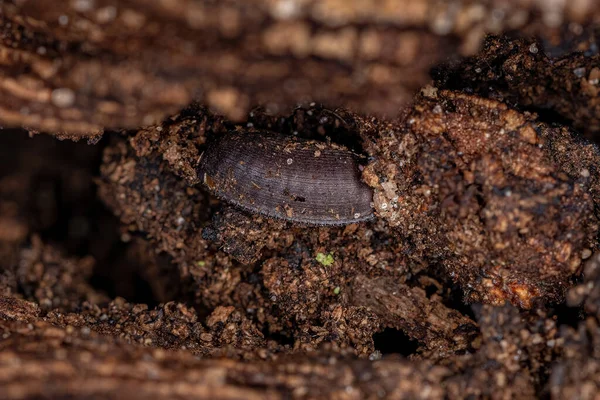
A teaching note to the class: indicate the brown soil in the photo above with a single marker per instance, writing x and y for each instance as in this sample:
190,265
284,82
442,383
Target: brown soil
121,276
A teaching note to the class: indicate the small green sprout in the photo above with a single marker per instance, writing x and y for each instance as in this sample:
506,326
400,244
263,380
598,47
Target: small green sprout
326,260
201,263
337,290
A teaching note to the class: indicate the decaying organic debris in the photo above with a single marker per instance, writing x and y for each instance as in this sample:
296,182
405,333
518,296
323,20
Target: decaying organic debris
520,72
481,189
465,182
125,349
308,281
121,276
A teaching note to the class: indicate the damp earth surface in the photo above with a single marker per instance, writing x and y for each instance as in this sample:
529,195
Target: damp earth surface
297,199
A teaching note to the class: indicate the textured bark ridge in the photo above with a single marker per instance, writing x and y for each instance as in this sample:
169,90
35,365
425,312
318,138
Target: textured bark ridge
123,276
82,66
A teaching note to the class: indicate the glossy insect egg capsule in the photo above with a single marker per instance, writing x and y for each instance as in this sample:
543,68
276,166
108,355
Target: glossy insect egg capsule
285,177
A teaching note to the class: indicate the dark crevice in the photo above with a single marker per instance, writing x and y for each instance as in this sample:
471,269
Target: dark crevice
394,341
65,212
282,338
